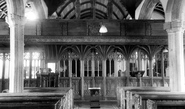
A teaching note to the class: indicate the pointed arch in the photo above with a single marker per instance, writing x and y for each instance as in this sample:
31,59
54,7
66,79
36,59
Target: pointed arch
147,9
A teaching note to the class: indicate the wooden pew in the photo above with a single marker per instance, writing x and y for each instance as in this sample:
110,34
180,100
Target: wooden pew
126,99
163,100
38,98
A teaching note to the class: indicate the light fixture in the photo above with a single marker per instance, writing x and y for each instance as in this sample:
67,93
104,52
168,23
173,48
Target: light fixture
30,11
103,29
165,50
31,15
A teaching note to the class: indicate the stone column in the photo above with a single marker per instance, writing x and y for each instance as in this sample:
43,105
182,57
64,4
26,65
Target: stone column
176,55
16,80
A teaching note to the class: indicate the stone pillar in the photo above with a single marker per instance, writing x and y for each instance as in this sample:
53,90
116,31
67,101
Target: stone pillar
16,24
176,55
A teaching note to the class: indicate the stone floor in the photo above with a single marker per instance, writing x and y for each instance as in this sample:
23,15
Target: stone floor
89,105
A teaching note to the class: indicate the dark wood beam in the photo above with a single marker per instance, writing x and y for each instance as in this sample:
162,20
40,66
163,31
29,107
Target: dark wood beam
93,8
110,9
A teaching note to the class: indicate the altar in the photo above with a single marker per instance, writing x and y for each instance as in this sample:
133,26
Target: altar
95,97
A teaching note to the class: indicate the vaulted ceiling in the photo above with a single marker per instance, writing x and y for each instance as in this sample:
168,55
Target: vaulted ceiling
121,9
89,9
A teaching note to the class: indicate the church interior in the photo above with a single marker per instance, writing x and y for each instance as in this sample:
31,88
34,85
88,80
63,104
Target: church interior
83,54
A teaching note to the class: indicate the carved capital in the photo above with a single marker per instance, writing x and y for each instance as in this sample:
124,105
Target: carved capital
174,26
13,19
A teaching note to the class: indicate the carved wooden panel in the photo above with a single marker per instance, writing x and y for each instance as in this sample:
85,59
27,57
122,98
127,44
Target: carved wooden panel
148,29
146,82
111,85
123,29
33,83
63,82
30,28
76,84
157,82
64,27
88,82
135,28
133,82
157,29
99,83
93,28
77,28
113,28
53,28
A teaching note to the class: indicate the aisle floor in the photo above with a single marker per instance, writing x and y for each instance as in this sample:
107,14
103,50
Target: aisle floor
102,105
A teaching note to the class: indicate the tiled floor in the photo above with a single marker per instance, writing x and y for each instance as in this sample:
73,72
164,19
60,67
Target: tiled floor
103,105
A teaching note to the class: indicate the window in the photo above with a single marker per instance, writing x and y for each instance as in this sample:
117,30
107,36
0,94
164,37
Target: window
51,66
32,64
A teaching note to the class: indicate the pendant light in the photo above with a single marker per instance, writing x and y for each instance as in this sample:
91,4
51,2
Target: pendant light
103,29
